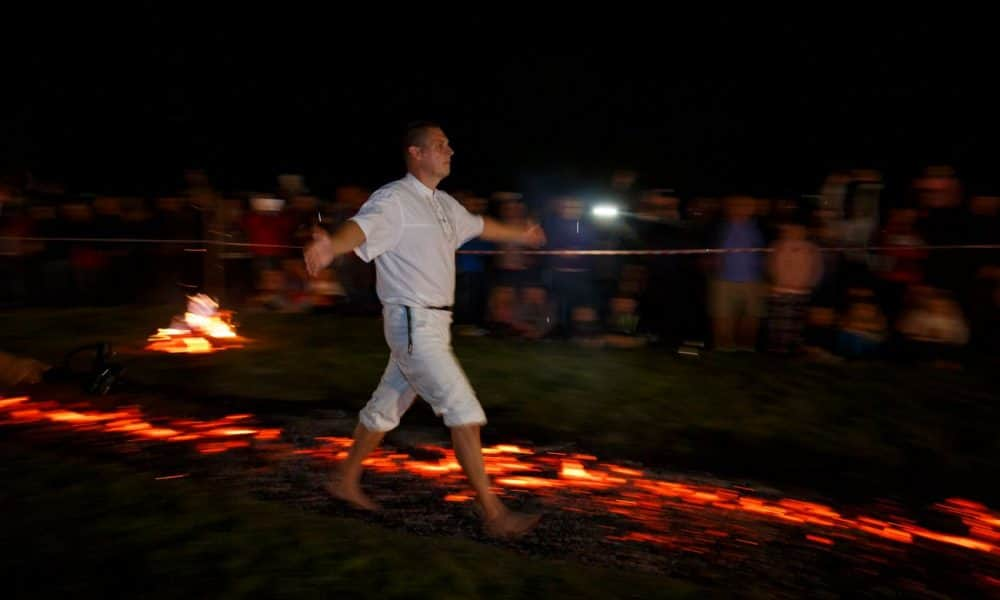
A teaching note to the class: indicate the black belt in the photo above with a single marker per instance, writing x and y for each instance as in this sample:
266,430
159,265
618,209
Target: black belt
409,324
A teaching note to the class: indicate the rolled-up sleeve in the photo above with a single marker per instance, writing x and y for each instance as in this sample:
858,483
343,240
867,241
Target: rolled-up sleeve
381,219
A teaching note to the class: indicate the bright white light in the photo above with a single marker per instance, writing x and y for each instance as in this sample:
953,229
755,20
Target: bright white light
605,211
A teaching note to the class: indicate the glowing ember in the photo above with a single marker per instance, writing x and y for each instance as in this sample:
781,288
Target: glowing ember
457,498
819,539
4,403
649,509
130,421
202,330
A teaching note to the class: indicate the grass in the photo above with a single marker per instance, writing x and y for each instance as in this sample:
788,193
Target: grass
855,429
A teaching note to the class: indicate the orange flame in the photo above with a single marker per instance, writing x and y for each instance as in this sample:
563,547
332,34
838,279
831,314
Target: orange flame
203,330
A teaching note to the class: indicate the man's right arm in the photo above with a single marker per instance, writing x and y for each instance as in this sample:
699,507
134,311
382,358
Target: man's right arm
325,246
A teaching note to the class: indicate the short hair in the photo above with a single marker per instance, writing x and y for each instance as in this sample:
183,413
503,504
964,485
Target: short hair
416,133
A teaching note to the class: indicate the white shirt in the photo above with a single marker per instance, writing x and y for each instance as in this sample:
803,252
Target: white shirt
412,232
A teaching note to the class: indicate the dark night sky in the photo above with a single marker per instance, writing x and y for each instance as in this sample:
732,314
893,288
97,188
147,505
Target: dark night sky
127,102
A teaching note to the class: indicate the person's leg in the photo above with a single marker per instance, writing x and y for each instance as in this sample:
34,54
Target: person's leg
348,486
500,521
390,400
777,323
800,304
752,300
723,321
435,374
469,452
748,327
723,333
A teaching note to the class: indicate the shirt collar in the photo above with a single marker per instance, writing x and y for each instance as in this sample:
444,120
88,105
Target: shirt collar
423,189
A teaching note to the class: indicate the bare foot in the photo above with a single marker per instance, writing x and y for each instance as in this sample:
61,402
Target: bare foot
511,524
351,494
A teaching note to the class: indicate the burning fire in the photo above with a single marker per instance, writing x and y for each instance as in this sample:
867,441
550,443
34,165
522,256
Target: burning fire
652,509
203,329
209,437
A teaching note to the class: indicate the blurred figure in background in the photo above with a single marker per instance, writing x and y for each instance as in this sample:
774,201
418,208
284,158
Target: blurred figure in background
14,261
471,286
269,227
623,323
933,328
942,222
795,266
571,284
663,308
863,328
535,315
901,264
356,276
510,269
984,288
737,302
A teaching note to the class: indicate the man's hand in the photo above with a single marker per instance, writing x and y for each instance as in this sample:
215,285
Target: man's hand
325,246
319,253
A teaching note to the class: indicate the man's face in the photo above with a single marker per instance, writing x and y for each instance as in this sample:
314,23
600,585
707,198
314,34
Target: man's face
434,155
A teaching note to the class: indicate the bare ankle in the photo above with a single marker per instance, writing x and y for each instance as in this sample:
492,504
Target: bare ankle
492,507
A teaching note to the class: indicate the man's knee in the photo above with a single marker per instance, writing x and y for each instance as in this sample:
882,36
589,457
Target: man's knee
374,420
467,414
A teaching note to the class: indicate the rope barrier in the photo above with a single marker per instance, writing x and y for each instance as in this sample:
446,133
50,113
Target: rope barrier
554,252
